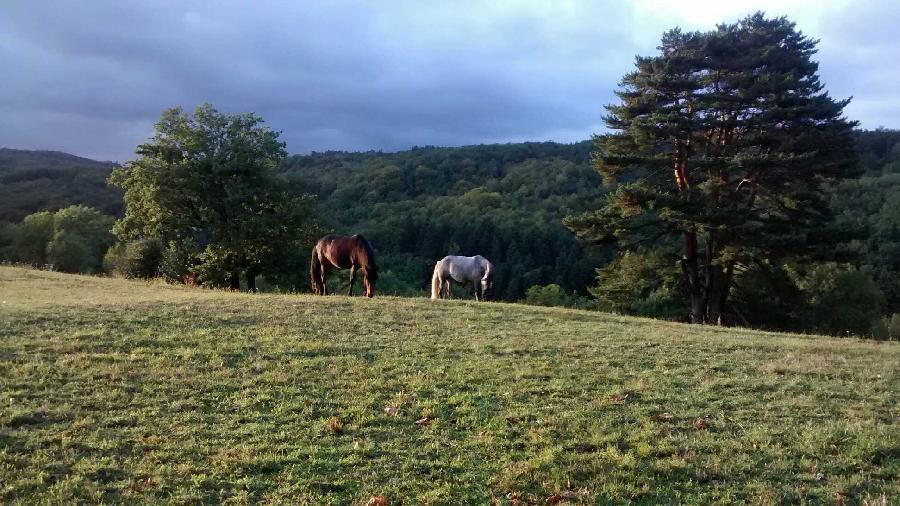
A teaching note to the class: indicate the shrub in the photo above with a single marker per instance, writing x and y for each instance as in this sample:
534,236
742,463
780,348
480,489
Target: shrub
641,283
887,328
839,299
554,295
177,259
135,259
69,252
73,239
27,241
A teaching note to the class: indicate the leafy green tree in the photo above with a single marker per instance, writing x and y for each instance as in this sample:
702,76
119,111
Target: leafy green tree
554,295
140,258
82,236
27,241
645,283
727,141
839,299
72,239
211,178
68,252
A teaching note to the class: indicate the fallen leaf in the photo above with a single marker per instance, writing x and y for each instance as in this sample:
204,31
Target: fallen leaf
377,500
565,495
514,499
555,499
423,421
391,410
334,425
141,485
840,498
664,417
618,398
700,424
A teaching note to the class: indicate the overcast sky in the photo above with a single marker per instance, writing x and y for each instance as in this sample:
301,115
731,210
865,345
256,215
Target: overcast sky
91,77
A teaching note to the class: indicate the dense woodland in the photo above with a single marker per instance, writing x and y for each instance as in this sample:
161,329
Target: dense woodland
506,202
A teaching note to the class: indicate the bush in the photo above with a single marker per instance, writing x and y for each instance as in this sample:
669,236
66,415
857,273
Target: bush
73,239
177,260
135,259
641,283
554,295
84,234
27,241
839,300
69,252
887,328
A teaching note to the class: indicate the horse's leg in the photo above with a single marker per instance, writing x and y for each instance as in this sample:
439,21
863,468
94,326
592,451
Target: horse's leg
326,267
352,279
449,288
475,286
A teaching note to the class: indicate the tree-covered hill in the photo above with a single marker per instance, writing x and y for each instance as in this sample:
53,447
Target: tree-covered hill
505,202
33,181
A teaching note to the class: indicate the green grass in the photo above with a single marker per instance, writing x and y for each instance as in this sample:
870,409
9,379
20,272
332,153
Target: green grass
121,391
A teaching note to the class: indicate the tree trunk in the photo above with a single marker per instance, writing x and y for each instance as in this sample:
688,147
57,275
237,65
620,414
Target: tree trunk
714,295
724,289
234,281
691,274
717,280
251,280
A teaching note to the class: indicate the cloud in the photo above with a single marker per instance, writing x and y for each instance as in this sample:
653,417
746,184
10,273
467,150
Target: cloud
92,77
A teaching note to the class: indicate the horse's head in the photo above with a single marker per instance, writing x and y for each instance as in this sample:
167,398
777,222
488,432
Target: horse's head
371,276
487,285
371,270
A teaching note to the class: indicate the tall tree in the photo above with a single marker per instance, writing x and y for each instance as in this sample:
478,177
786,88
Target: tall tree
727,140
210,179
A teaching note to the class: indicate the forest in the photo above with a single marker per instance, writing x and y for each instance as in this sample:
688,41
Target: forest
508,203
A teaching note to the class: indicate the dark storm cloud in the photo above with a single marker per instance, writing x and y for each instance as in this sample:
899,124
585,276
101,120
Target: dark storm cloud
91,77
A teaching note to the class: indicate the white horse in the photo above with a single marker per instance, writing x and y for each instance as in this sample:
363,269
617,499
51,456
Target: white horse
451,268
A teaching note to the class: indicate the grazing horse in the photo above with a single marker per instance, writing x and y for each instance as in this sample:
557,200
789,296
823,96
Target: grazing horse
343,252
476,269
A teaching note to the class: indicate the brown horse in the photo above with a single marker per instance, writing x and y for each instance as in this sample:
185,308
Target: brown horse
343,252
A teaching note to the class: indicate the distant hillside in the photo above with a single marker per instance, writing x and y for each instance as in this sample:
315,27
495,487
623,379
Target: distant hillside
32,181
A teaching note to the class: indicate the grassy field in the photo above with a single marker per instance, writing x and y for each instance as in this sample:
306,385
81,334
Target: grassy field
122,391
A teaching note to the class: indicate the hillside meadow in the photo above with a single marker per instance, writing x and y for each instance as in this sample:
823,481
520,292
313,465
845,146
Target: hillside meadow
125,391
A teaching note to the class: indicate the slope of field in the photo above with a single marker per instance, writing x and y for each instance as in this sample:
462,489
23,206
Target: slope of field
112,390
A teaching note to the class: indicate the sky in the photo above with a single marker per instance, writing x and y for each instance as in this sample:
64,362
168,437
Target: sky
91,78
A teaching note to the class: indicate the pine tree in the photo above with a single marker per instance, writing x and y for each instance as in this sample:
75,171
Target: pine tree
727,140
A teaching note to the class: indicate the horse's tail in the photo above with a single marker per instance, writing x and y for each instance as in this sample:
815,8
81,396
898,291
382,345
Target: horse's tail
315,271
436,282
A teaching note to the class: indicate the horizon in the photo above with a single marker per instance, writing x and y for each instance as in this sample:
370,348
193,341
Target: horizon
355,78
